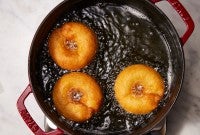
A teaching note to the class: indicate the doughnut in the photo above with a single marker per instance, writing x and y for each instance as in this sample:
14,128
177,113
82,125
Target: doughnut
138,89
77,96
73,45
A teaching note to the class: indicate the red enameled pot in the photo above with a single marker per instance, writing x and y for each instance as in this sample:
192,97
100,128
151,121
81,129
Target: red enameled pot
145,12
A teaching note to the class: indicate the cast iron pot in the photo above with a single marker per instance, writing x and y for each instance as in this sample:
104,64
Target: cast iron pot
147,9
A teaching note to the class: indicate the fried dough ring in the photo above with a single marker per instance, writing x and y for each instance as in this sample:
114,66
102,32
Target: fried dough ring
138,89
73,45
77,96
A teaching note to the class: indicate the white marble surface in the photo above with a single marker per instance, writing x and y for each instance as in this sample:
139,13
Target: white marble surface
19,20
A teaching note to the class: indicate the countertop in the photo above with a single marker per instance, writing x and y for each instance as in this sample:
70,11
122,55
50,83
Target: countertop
19,20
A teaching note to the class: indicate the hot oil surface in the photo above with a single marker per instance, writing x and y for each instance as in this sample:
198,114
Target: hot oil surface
125,37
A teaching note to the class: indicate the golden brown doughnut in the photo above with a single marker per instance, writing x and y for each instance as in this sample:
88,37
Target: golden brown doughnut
73,45
77,96
138,89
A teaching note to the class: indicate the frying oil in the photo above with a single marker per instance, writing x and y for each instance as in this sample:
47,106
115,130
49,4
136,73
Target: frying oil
125,37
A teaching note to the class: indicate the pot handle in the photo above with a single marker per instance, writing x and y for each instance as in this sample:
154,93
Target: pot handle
185,17
27,117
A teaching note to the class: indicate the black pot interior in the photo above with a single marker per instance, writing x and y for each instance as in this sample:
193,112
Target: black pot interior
129,32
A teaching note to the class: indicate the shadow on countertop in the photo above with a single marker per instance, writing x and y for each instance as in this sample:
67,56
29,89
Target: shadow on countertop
186,111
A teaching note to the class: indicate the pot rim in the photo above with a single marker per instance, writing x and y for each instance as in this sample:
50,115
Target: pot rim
142,130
